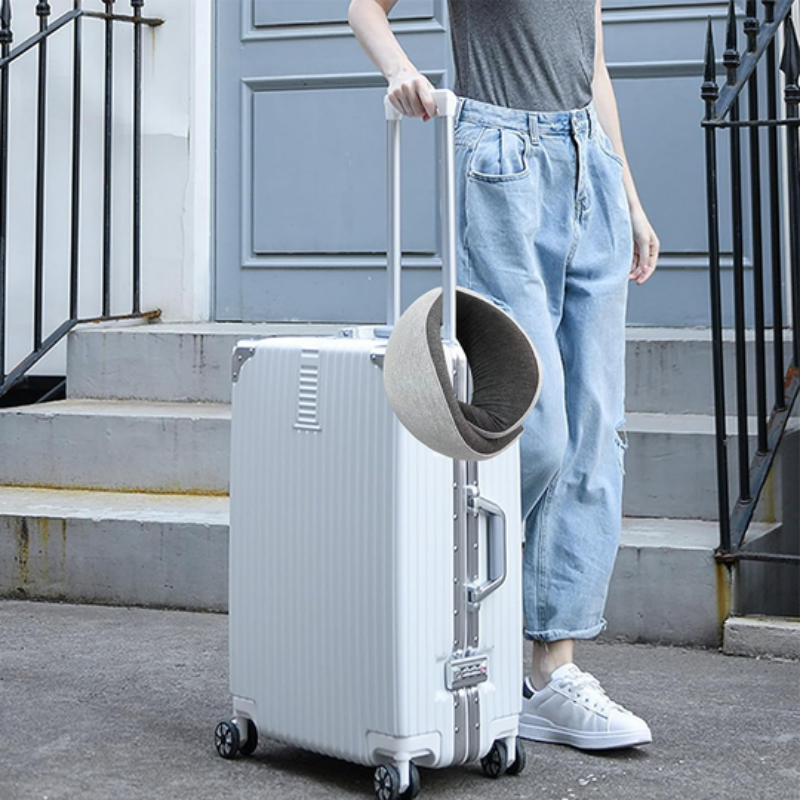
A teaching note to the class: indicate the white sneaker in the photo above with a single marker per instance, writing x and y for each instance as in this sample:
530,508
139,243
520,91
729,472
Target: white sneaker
573,709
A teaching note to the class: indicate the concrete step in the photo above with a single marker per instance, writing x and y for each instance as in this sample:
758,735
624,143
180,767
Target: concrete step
759,636
666,586
668,369
172,551
122,549
114,445
185,447
671,467
164,362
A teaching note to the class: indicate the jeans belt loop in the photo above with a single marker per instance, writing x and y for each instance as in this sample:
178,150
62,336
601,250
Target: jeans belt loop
533,128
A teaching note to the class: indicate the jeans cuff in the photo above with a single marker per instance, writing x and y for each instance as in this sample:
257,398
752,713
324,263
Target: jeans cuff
556,634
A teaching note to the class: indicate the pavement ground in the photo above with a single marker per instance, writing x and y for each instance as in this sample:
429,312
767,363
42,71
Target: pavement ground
102,703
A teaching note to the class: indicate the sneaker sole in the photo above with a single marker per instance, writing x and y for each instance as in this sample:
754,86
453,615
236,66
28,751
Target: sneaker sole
583,741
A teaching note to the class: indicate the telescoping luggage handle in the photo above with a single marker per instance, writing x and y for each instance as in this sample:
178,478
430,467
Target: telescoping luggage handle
446,107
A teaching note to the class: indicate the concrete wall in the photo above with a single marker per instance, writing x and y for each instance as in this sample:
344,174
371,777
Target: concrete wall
176,142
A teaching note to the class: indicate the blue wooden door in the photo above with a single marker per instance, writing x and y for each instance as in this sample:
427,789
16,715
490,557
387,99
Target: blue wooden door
300,230
300,177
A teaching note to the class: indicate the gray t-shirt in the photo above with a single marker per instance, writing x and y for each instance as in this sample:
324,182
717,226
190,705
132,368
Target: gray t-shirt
536,55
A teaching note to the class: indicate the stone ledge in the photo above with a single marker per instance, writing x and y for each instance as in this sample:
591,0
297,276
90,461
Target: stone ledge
756,636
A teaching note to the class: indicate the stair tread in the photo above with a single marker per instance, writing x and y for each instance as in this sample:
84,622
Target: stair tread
651,421
214,509
125,408
634,333
692,534
217,328
100,505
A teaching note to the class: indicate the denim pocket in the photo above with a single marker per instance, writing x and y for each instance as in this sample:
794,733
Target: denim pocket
500,155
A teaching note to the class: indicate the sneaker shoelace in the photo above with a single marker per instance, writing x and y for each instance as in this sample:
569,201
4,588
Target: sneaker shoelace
586,688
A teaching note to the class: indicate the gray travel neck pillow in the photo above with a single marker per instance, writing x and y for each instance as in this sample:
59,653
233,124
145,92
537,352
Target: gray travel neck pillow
505,371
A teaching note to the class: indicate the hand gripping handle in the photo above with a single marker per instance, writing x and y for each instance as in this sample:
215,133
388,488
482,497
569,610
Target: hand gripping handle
446,107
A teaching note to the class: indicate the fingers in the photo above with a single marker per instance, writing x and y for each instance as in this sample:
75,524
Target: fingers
411,94
645,258
646,248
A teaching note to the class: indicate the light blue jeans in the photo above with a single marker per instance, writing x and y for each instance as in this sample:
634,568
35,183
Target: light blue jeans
545,232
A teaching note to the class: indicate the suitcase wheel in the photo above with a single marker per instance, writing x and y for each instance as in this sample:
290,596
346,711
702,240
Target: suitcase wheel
250,745
226,739
495,762
519,759
387,783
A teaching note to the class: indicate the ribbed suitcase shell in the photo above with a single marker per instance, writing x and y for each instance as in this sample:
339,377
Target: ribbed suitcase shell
342,564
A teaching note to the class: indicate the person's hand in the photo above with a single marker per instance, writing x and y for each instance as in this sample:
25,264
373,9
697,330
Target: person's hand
411,93
645,247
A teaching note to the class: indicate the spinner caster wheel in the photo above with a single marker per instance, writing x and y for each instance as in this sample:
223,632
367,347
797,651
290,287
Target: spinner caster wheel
387,783
519,759
250,745
414,783
226,739
495,762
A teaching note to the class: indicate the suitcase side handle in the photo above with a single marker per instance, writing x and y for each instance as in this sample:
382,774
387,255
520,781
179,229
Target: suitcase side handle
446,107
497,562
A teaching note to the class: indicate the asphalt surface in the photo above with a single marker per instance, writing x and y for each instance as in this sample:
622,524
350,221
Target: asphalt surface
112,703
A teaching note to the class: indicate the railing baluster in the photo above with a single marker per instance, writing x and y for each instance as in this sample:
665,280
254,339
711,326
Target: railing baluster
77,65
42,11
109,98
790,66
730,59
6,37
710,93
751,27
137,155
775,215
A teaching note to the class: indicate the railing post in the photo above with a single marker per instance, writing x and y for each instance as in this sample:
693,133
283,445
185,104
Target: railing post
109,100
775,215
43,12
6,37
751,28
710,93
790,66
77,86
730,59
137,155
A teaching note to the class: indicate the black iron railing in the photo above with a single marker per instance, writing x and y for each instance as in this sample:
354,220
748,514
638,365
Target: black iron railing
44,342
774,196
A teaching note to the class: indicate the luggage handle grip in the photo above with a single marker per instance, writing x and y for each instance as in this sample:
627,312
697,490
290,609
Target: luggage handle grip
445,101
446,107
497,562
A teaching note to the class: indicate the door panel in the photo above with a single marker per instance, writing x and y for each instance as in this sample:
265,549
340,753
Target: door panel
300,173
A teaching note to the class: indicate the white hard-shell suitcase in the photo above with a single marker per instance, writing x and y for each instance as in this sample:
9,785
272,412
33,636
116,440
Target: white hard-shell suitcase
375,598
